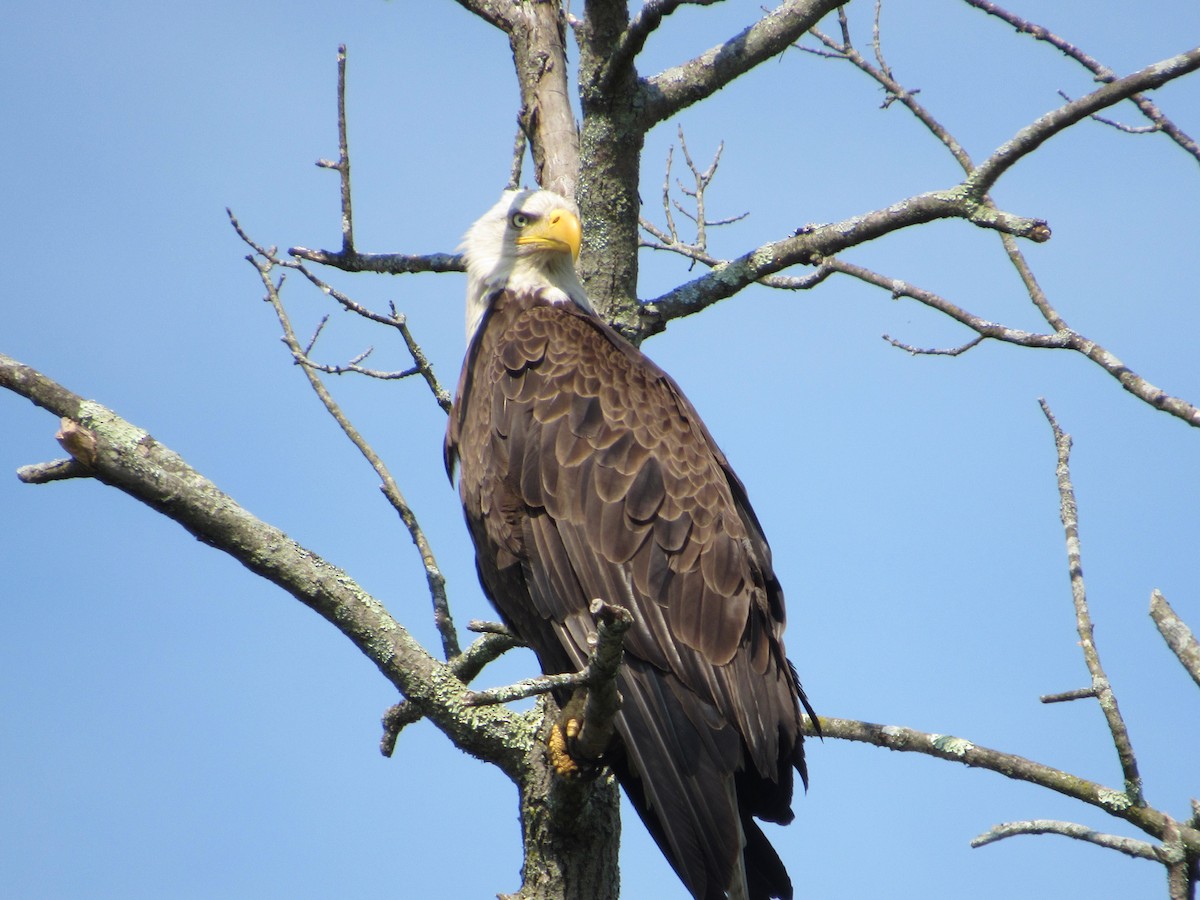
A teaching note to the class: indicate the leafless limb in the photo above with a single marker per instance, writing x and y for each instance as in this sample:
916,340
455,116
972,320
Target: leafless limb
528,687
520,145
342,166
1034,135
392,319
465,667
382,263
1177,635
969,200
1063,339
131,460
669,239
56,470
931,351
1128,846
1083,618
600,670
1119,126
882,74
348,258
1062,336
676,88
265,262
643,24
967,753
1101,72
1068,696
353,366
479,626
812,244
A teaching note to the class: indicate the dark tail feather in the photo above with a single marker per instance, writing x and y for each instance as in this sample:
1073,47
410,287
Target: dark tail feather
766,876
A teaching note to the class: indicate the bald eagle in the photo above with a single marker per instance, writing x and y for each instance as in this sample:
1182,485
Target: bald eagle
585,473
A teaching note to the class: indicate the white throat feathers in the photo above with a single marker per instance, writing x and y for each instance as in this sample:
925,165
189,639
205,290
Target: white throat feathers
528,241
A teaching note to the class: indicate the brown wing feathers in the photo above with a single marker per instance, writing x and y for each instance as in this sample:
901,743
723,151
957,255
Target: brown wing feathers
586,473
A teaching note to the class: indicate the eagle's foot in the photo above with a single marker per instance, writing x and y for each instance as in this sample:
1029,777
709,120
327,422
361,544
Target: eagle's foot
562,735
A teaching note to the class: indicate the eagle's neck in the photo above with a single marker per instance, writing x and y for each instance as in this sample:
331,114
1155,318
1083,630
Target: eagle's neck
550,275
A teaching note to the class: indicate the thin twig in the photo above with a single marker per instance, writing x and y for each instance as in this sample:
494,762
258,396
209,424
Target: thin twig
1083,620
597,674
466,666
1038,132
934,351
342,166
393,318
57,470
1100,71
954,749
1062,339
264,263
1067,696
520,144
1129,846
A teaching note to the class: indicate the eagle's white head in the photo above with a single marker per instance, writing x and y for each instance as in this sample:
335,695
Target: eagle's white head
529,240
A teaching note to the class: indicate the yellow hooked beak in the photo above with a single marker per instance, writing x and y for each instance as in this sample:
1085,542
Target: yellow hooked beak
557,230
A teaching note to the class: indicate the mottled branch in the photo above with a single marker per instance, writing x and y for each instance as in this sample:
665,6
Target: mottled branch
1064,338
265,263
1159,120
599,674
56,470
1034,135
967,753
1128,846
538,41
811,244
382,263
1178,636
1068,512
466,666
129,459
677,88
643,24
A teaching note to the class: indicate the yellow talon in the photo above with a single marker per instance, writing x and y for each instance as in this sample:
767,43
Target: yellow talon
556,745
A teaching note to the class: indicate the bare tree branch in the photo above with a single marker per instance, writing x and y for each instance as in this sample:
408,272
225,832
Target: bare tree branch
343,162
677,88
1034,135
1063,339
538,41
1102,73
382,263
57,470
1083,618
132,461
811,244
1068,696
643,24
264,263
601,669
1177,635
1129,846
465,667
882,74
967,753
495,12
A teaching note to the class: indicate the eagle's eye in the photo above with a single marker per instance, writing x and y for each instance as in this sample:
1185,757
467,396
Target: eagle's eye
519,220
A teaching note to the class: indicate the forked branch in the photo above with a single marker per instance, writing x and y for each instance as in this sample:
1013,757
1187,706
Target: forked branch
131,460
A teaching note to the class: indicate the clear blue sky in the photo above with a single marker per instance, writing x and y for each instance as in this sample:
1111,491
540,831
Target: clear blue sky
170,726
